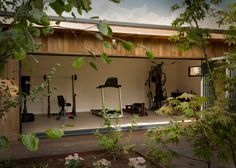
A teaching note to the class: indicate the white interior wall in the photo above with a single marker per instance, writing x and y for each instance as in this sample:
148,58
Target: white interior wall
186,83
132,75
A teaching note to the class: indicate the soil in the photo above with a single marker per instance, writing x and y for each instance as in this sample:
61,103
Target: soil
58,161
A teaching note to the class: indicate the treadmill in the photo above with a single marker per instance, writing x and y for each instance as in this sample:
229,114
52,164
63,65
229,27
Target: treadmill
111,82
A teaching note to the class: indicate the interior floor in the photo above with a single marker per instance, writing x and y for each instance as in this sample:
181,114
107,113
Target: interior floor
86,120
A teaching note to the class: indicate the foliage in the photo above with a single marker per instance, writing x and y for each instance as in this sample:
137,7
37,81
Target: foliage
30,141
42,165
138,162
150,54
189,33
4,143
228,19
30,20
54,133
78,62
158,153
8,164
9,93
128,45
103,163
127,147
8,96
209,131
111,138
73,161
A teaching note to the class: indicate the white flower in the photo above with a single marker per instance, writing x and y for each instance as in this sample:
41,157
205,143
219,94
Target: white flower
102,163
138,162
74,157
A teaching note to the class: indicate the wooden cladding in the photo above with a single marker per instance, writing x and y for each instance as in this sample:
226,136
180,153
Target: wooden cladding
69,43
9,124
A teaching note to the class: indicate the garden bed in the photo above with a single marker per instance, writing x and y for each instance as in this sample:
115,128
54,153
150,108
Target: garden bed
89,158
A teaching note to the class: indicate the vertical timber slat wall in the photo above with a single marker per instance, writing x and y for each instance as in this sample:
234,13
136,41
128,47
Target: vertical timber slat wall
9,124
67,43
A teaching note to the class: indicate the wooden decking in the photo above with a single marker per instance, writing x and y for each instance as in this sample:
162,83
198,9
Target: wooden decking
88,121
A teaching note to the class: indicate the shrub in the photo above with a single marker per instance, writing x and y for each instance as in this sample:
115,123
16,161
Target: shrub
111,138
103,163
138,162
73,161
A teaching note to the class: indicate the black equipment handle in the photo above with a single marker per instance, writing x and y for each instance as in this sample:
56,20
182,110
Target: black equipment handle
74,78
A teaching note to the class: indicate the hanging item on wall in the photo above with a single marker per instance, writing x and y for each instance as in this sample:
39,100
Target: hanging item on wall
194,71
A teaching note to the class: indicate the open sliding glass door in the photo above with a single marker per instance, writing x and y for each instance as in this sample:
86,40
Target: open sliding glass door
232,94
207,85
207,89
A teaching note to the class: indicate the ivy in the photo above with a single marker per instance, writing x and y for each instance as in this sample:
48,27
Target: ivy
30,141
103,28
127,45
58,6
150,54
54,133
107,45
78,62
105,58
4,143
93,65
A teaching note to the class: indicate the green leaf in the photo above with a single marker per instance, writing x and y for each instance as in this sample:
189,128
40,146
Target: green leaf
36,15
99,37
93,65
175,7
69,125
35,31
128,45
58,6
45,20
58,22
4,143
68,7
30,141
20,55
79,10
109,31
38,4
105,58
78,62
106,44
47,31
186,96
94,17
54,133
150,54
86,5
165,110
73,14
103,28
115,1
